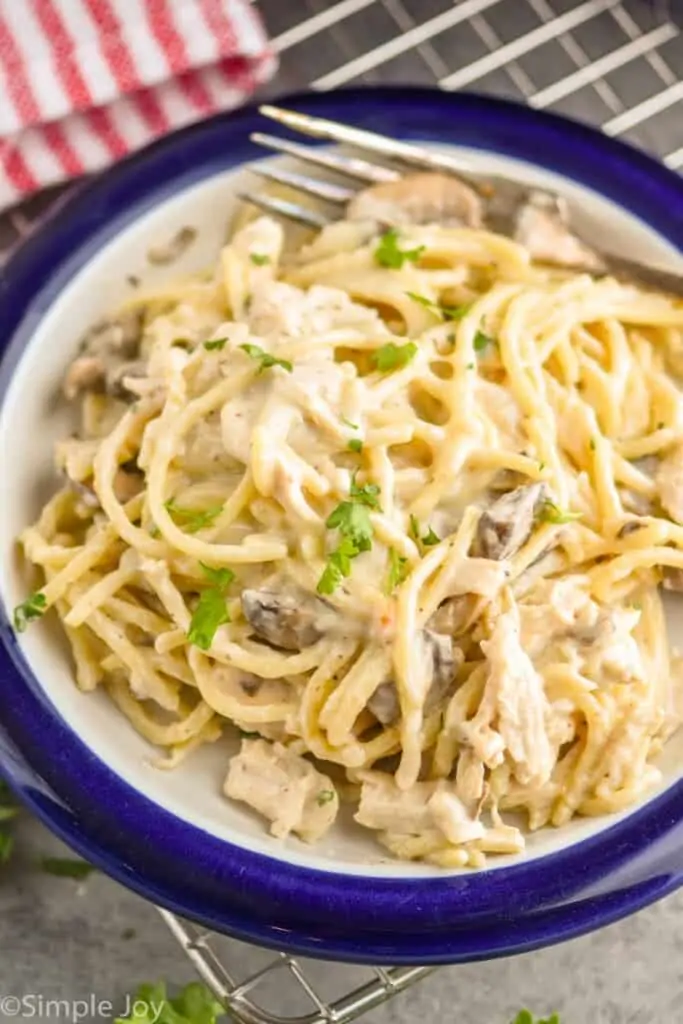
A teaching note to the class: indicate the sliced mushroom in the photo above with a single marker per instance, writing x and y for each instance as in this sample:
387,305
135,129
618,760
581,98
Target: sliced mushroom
507,523
105,347
673,579
128,484
288,618
118,376
445,660
168,252
540,225
632,526
426,198
452,614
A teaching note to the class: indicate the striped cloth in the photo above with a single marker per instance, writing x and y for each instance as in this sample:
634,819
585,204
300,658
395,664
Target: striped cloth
84,82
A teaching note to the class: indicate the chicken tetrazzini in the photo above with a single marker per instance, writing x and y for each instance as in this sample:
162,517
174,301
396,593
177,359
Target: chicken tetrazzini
397,506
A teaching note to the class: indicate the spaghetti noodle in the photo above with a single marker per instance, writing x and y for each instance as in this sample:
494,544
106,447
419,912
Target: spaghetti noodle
396,506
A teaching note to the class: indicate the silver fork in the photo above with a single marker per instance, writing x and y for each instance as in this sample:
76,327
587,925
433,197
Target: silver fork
502,197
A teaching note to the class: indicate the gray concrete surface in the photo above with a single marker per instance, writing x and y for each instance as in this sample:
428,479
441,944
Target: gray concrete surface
65,940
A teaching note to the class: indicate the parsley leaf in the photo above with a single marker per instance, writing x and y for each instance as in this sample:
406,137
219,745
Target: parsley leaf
394,357
354,426
259,259
339,565
353,522
266,359
32,608
430,538
355,445
325,796
549,512
482,341
194,1004
210,613
352,519
388,254
6,845
211,610
367,494
219,577
191,518
8,810
215,344
525,1017
66,867
443,312
398,570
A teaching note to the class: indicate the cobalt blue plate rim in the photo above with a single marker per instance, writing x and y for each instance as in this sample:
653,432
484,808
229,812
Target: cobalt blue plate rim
249,895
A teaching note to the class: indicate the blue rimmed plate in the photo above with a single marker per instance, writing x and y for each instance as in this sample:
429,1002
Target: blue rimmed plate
171,835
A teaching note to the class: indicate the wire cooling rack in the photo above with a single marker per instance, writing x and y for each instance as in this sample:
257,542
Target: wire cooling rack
615,64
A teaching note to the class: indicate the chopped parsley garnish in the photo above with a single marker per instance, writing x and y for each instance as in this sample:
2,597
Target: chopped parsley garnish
338,565
265,359
353,522
215,344
367,494
219,577
66,867
194,1004
428,540
482,341
394,357
355,445
592,444
259,259
32,608
354,426
182,343
325,796
549,512
525,1017
211,610
443,312
398,570
6,846
8,810
192,519
352,519
388,253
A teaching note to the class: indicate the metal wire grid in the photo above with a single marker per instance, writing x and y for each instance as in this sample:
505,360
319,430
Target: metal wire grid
616,64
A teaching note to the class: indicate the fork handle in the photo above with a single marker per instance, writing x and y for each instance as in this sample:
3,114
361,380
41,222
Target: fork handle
660,278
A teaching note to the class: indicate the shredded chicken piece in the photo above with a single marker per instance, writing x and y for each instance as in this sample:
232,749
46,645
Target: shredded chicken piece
422,808
612,652
512,715
283,787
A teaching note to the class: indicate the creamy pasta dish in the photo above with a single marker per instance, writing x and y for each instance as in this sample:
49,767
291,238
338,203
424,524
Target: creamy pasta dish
398,505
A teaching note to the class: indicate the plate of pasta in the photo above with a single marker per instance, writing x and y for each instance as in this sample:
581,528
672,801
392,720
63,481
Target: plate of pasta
342,567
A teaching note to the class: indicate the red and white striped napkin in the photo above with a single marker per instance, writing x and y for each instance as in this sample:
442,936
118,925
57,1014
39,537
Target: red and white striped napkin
84,82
